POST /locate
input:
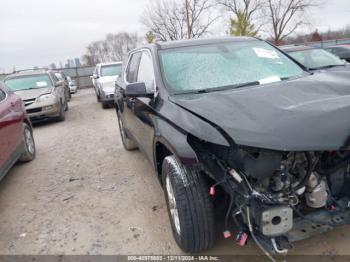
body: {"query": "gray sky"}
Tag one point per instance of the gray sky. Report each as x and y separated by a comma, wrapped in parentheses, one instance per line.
(39, 32)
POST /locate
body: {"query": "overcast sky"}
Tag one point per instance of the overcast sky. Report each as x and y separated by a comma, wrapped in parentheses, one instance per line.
(40, 32)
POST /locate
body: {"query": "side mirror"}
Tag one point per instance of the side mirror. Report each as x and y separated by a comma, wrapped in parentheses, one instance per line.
(94, 76)
(137, 90)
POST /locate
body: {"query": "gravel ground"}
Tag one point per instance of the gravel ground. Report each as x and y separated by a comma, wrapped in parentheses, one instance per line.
(84, 194)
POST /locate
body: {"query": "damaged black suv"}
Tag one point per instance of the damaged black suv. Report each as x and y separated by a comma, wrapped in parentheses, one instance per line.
(237, 116)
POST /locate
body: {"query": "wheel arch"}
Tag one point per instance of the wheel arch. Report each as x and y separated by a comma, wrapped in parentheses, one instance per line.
(170, 141)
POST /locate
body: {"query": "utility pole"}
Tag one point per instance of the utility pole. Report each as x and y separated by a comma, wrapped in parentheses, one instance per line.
(189, 30)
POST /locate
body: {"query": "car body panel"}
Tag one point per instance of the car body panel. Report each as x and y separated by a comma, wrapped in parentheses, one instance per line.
(12, 116)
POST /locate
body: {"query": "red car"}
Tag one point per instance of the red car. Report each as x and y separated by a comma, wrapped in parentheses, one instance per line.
(16, 134)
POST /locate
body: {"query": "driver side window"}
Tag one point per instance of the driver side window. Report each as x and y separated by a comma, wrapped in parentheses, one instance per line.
(146, 72)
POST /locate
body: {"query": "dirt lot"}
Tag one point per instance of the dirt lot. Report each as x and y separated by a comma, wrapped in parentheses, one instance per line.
(84, 194)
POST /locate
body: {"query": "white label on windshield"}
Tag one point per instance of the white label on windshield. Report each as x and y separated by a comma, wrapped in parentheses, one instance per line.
(269, 80)
(261, 52)
(41, 84)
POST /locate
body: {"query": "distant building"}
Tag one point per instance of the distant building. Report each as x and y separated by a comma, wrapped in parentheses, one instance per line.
(77, 62)
(53, 66)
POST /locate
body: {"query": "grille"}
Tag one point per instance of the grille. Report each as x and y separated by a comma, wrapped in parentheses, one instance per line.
(28, 102)
(34, 110)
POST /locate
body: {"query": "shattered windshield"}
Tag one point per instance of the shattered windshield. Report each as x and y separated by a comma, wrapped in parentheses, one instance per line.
(233, 64)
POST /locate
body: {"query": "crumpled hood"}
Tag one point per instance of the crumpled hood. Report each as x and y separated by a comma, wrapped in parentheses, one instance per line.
(309, 113)
(33, 93)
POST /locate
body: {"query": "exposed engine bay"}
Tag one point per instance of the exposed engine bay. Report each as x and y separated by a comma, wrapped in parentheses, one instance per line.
(280, 197)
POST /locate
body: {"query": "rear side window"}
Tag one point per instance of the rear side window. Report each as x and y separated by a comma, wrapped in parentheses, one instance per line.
(2, 95)
(133, 66)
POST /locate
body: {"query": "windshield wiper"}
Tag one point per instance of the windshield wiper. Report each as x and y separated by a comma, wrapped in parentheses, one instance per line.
(221, 88)
(324, 67)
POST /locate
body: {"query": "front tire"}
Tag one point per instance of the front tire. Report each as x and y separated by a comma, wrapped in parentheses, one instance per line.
(190, 209)
(62, 115)
(128, 143)
(29, 144)
(104, 105)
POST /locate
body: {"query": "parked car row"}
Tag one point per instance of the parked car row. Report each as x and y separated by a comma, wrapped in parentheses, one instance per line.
(25, 97)
(240, 124)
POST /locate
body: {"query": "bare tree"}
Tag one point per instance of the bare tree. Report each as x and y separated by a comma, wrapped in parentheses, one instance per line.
(246, 11)
(173, 20)
(165, 20)
(286, 16)
(199, 19)
(114, 48)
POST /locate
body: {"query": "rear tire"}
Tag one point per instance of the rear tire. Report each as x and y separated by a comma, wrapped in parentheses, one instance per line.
(29, 144)
(190, 208)
(128, 143)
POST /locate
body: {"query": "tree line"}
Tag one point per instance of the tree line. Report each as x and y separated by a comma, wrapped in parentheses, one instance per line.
(166, 20)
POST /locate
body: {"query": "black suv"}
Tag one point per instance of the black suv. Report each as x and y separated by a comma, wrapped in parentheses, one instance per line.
(237, 117)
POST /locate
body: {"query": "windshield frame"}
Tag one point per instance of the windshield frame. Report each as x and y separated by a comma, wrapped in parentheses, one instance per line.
(172, 92)
(30, 88)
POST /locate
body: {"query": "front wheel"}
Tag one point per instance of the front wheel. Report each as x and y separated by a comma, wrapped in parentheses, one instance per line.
(128, 143)
(62, 114)
(190, 208)
(104, 105)
(29, 144)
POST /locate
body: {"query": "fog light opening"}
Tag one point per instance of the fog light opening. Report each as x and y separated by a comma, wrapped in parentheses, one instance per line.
(276, 220)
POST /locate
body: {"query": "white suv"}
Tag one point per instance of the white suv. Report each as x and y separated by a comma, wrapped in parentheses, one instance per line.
(103, 79)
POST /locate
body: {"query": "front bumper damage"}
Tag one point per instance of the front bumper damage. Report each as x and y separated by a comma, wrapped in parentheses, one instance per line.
(279, 197)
